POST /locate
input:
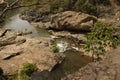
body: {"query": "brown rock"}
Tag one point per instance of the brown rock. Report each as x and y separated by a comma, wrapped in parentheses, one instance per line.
(71, 20)
(34, 50)
(109, 69)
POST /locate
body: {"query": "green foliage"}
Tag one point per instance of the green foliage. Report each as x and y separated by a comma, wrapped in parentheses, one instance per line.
(27, 70)
(28, 2)
(58, 5)
(55, 49)
(54, 5)
(88, 6)
(79, 3)
(101, 36)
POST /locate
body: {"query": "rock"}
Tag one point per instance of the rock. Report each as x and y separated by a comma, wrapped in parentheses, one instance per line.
(37, 14)
(17, 49)
(24, 32)
(77, 37)
(2, 1)
(2, 32)
(9, 54)
(7, 40)
(109, 69)
(70, 20)
(20, 41)
(1, 71)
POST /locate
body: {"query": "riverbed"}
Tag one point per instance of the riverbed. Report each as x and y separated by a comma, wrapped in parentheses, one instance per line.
(73, 60)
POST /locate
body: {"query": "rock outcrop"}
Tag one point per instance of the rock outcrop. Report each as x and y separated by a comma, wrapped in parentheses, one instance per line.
(16, 48)
(109, 69)
(68, 20)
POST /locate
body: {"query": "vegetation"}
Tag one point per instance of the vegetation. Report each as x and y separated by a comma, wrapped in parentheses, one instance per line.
(55, 49)
(13, 76)
(101, 36)
(27, 70)
(88, 6)
(28, 2)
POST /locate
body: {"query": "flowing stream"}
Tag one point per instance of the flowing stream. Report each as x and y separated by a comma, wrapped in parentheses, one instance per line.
(73, 61)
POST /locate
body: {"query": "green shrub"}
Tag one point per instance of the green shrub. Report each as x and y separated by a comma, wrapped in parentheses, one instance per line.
(55, 49)
(54, 5)
(27, 2)
(27, 70)
(91, 9)
(78, 4)
(101, 36)
(86, 6)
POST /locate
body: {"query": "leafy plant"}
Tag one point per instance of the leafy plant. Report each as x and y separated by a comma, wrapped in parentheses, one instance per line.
(27, 70)
(101, 36)
(55, 49)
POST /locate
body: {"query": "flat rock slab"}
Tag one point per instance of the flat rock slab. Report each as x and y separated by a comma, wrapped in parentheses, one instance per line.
(8, 53)
(25, 49)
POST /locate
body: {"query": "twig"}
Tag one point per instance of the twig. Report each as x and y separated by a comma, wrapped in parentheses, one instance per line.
(8, 6)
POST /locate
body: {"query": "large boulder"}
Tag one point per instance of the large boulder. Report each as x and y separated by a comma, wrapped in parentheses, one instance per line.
(69, 20)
